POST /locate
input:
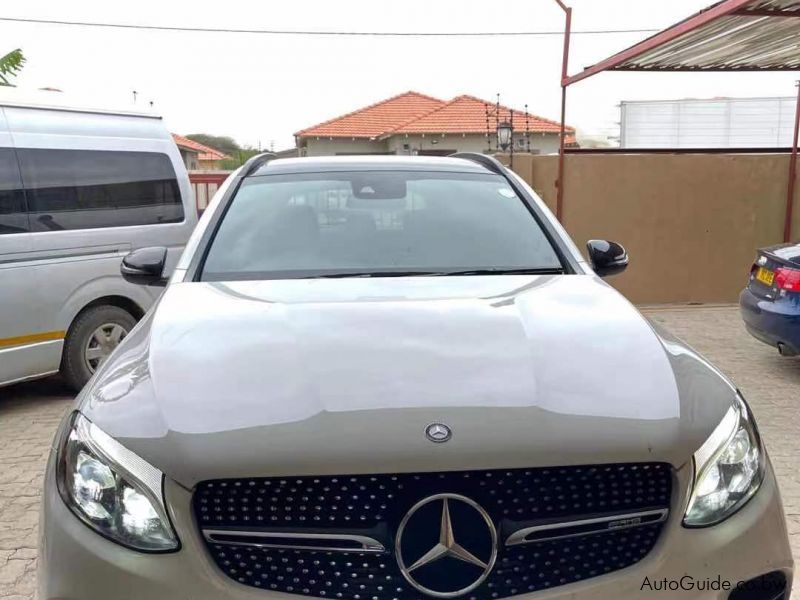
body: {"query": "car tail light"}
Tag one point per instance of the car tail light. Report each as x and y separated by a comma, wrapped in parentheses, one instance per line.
(787, 279)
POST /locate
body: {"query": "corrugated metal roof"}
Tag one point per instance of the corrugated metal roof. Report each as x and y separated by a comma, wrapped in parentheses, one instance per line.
(731, 35)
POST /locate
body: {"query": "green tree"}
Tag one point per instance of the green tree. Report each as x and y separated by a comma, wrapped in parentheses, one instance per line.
(237, 154)
(237, 159)
(223, 143)
(10, 66)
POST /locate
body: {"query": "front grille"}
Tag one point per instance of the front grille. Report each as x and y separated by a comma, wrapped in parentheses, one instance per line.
(374, 505)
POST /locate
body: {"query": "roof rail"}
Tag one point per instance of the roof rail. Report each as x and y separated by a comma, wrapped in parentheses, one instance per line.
(490, 162)
(259, 160)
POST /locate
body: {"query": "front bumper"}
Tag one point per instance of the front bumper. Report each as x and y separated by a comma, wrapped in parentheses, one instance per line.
(772, 322)
(77, 564)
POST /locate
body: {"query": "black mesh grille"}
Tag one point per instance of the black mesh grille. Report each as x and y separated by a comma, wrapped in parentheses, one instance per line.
(379, 502)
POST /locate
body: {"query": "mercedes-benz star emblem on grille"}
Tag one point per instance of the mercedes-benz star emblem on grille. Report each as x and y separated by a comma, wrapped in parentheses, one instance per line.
(446, 545)
(438, 433)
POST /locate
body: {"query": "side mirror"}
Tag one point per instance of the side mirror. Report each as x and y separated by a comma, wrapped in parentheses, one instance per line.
(608, 258)
(145, 266)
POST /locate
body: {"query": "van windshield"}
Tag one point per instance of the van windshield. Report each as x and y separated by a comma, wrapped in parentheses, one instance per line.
(376, 223)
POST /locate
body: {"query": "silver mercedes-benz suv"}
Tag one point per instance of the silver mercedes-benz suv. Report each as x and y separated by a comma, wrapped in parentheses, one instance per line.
(386, 378)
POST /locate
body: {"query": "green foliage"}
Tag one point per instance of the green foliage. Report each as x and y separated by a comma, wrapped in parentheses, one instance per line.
(238, 159)
(227, 145)
(10, 66)
(223, 143)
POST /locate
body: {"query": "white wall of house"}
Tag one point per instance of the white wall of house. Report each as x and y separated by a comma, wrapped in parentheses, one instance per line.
(190, 159)
(334, 146)
(396, 144)
(541, 144)
(456, 143)
(547, 143)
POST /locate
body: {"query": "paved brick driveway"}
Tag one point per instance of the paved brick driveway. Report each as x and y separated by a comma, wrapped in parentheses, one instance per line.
(29, 414)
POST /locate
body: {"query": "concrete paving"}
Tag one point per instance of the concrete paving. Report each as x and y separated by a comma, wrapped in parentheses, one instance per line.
(29, 414)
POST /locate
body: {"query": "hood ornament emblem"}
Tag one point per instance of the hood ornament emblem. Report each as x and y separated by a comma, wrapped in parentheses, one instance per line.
(447, 564)
(438, 433)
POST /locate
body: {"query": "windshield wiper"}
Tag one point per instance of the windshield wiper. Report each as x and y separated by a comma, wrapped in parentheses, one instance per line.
(500, 271)
(376, 274)
(488, 271)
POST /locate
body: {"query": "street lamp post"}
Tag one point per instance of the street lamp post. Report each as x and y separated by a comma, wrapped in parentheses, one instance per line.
(504, 135)
(504, 130)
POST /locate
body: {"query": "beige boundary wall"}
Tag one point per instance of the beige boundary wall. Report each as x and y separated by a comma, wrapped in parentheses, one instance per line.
(691, 222)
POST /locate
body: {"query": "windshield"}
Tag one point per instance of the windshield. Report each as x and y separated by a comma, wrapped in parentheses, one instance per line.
(375, 223)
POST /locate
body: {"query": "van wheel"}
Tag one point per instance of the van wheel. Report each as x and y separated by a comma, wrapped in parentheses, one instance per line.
(94, 334)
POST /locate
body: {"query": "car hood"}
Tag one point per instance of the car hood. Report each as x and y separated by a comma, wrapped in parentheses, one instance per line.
(306, 377)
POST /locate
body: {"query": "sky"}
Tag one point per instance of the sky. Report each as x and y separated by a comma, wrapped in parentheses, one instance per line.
(260, 89)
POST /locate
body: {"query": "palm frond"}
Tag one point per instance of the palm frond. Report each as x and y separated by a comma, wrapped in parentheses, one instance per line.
(10, 65)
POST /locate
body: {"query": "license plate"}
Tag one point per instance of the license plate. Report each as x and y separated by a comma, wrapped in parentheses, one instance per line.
(765, 276)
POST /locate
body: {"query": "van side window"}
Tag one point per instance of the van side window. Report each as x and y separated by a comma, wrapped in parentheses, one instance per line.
(88, 189)
(13, 218)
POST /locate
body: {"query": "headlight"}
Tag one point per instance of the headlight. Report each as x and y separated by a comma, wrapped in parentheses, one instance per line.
(728, 469)
(112, 490)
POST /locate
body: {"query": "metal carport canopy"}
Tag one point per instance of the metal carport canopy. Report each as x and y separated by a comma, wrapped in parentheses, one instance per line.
(730, 36)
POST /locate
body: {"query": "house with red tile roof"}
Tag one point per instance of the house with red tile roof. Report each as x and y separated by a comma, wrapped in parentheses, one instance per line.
(197, 156)
(413, 123)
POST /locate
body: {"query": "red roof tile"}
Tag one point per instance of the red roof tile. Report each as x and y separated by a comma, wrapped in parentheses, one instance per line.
(412, 112)
(467, 114)
(376, 119)
(203, 152)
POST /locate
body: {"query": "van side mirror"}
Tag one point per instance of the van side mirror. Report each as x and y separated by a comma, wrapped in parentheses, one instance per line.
(145, 266)
(607, 258)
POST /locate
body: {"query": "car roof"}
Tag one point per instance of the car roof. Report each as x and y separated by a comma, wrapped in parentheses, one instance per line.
(324, 164)
(59, 101)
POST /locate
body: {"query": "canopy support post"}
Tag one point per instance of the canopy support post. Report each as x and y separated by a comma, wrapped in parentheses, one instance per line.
(561, 158)
(564, 83)
(787, 226)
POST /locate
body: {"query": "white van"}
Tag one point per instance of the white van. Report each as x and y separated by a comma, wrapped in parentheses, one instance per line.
(79, 189)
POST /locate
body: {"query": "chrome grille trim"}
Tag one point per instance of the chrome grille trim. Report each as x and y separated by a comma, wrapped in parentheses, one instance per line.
(325, 542)
(373, 505)
(603, 524)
